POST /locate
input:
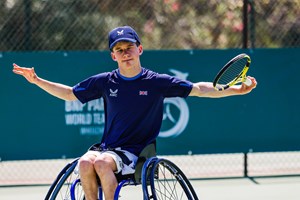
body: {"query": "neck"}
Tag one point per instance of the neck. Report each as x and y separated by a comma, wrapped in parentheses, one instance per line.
(129, 73)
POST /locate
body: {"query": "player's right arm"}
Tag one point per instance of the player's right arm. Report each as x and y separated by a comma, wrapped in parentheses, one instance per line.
(56, 89)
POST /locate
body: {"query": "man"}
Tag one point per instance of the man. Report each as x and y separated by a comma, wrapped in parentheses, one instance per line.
(133, 98)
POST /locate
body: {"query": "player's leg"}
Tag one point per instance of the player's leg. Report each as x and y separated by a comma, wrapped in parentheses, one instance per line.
(111, 163)
(105, 167)
(88, 175)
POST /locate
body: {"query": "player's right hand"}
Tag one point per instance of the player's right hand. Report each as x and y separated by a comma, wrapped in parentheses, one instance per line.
(28, 73)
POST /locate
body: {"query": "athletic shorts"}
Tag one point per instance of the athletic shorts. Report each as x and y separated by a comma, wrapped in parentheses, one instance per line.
(125, 161)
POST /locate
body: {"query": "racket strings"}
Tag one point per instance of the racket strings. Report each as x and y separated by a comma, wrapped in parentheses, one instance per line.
(233, 72)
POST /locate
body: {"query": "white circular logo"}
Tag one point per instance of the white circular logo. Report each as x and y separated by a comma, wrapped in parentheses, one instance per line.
(178, 123)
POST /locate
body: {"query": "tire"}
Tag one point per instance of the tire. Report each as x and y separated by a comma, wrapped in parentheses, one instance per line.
(169, 182)
(146, 176)
(60, 189)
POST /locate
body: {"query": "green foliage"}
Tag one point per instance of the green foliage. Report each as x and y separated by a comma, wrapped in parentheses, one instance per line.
(161, 24)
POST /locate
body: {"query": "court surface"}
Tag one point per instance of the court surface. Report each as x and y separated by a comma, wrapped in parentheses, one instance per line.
(283, 188)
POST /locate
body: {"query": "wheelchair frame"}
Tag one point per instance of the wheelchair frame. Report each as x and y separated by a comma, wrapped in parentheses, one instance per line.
(160, 179)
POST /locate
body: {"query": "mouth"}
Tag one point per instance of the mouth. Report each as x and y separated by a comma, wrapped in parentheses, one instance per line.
(127, 60)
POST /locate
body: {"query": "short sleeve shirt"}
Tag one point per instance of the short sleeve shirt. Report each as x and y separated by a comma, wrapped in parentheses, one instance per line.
(133, 106)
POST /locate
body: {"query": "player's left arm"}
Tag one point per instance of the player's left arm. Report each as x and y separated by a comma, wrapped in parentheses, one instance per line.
(206, 89)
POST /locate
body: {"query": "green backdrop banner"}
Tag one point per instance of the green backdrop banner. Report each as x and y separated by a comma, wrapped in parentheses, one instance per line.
(35, 125)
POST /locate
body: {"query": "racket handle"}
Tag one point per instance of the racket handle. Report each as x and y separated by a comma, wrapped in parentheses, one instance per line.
(248, 82)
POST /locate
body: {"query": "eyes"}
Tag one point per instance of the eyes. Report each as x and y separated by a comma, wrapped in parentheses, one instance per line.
(121, 50)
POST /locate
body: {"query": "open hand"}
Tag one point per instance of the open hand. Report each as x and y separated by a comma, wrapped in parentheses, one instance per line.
(28, 73)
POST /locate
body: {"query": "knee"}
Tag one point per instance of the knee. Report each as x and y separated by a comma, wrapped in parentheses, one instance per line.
(85, 164)
(102, 165)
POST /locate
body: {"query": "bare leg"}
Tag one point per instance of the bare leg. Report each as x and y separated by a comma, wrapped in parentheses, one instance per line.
(88, 176)
(105, 167)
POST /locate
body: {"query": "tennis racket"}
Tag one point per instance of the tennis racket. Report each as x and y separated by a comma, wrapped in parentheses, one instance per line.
(233, 72)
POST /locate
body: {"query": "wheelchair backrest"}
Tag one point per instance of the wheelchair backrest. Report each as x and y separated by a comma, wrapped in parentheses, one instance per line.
(148, 152)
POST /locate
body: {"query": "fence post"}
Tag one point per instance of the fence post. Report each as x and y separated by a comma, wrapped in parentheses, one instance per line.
(27, 37)
(252, 23)
(245, 164)
(245, 24)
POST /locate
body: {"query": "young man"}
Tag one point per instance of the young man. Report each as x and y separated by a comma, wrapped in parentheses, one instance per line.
(133, 99)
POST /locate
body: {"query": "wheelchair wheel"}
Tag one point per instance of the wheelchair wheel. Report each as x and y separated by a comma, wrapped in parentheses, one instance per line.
(60, 189)
(146, 176)
(169, 182)
(67, 186)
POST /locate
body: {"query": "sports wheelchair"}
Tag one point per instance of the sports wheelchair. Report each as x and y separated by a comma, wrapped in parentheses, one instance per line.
(158, 177)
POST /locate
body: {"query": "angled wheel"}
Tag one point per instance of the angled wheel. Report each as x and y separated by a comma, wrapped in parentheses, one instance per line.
(146, 176)
(169, 182)
(60, 189)
(67, 186)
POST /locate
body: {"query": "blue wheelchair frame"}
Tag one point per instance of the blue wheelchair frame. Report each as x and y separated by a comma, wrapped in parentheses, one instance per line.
(148, 177)
(122, 183)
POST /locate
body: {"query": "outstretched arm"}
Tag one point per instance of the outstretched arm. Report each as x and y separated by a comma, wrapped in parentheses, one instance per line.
(206, 89)
(56, 89)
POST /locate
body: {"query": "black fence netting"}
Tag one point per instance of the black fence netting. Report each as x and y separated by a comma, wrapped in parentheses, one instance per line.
(162, 24)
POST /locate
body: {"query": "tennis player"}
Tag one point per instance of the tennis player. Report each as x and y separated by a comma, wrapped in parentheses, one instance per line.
(133, 98)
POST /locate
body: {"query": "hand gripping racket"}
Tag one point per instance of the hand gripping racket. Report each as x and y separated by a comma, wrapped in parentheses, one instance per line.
(233, 72)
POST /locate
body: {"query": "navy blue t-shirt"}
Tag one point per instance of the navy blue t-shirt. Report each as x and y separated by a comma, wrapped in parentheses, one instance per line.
(133, 106)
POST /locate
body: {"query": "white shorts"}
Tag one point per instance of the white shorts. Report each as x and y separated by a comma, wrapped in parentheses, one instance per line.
(125, 168)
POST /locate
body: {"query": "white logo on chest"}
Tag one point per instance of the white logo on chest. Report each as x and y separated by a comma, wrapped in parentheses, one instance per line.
(113, 93)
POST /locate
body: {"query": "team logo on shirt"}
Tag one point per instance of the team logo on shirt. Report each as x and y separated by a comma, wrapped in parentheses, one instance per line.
(113, 93)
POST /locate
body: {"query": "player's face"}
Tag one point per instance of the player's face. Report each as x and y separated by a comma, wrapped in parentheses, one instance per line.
(127, 55)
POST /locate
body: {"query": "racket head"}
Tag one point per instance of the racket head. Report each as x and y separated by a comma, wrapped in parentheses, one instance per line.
(233, 72)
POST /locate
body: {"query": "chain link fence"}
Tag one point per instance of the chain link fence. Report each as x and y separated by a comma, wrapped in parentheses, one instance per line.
(275, 24)
(35, 25)
(208, 166)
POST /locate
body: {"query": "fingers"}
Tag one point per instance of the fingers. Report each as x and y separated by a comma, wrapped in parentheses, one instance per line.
(27, 73)
(17, 69)
(22, 70)
(252, 85)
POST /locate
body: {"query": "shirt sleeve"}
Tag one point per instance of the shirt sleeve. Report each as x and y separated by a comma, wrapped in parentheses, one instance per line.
(90, 89)
(175, 87)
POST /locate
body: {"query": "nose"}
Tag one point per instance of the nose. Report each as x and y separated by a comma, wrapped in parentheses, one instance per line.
(126, 53)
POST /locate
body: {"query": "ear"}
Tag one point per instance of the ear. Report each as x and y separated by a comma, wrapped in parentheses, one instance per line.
(140, 49)
(113, 56)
